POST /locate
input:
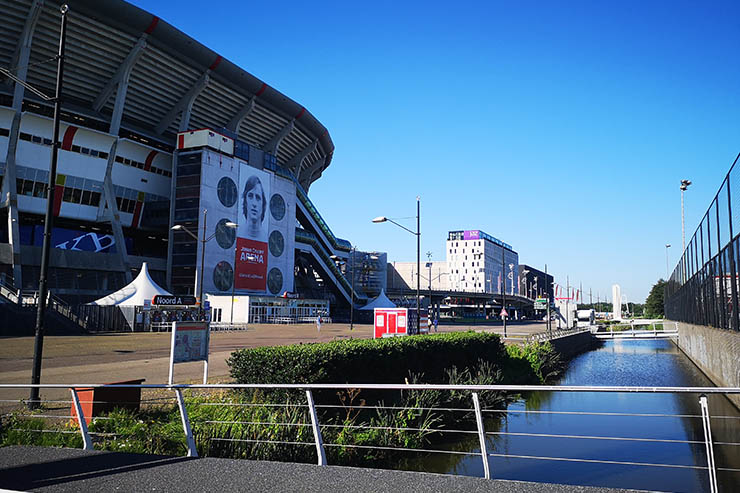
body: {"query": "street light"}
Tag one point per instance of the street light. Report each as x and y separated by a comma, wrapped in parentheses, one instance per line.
(417, 233)
(180, 227)
(684, 185)
(667, 246)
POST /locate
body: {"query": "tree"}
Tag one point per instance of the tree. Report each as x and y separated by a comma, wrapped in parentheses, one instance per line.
(654, 303)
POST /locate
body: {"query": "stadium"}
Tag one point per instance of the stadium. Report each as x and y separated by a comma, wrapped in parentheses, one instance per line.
(160, 132)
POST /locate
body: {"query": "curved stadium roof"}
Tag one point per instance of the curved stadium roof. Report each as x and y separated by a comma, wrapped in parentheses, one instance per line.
(169, 67)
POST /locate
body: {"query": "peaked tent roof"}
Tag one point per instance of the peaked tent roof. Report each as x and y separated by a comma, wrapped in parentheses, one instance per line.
(381, 301)
(140, 289)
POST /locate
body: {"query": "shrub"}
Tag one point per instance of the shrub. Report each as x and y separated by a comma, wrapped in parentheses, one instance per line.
(367, 360)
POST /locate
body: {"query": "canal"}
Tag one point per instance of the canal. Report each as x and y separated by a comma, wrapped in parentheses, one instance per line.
(672, 418)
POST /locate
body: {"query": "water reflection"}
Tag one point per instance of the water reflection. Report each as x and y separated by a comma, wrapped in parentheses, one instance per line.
(620, 362)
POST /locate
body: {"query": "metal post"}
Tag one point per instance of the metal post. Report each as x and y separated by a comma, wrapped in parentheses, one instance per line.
(192, 451)
(202, 266)
(503, 289)
(352, 295)
(481, 436)
(87, 442)
(683, 228)
(735, 324)
(708, 443)
(547, 289)
(418, 264)
(49, 218)
(316, 430)
(233, 281)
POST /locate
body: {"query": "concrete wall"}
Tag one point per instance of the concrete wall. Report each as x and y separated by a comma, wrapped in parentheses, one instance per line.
(716, 352)
(572, 345)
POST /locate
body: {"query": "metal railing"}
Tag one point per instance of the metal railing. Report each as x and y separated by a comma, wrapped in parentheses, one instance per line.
(321, 427)
(54, 303)
(555, 334)
(703, 288)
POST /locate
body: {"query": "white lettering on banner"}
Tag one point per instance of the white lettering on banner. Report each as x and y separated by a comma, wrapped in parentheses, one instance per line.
(101, 242)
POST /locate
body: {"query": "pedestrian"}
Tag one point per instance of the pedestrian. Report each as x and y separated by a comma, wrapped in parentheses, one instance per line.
(436, 324)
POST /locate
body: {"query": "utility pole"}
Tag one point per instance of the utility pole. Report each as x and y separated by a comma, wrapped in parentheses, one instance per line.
(48, 219)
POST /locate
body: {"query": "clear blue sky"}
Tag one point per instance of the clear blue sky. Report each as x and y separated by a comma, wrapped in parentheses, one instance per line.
(562, 128)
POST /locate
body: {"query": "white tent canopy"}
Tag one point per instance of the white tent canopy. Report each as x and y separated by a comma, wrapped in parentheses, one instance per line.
(381, 301)
(142, 288)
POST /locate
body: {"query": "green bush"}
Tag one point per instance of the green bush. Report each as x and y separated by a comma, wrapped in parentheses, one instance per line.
(387, 360)
(540, 359)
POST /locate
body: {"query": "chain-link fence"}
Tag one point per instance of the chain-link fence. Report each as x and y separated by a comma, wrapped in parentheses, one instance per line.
(703, 288)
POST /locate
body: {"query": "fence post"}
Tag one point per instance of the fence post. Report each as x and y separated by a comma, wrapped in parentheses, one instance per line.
(316, 430)
(192, 451)
(708, 443)
(481, 436)
(87, 442)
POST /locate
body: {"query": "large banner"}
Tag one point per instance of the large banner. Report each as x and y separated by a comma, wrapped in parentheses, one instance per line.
(251, 242)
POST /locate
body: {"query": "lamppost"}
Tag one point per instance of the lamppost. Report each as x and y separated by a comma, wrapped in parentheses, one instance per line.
(382, 219)
(684, 185)
(180, 227)
(667, 246)
(49, 218)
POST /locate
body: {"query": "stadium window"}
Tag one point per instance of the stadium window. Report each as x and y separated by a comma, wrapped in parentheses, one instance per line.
(93, 153)
(4, 132)
(86, 194)
(39, 189)
(83, 150)
(119, 159)
(95, 198)
(76, 148)
(36, 139)
(25, 136)
(102, 155)
(27, 187)
(67, 197)
(47, 142)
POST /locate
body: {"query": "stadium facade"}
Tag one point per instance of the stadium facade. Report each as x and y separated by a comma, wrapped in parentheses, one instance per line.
(156, 128)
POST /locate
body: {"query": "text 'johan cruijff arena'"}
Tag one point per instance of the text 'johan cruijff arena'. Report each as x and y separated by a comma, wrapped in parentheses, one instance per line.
(156, 129)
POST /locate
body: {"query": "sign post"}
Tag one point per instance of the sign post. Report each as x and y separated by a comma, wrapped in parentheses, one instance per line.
(190, 341)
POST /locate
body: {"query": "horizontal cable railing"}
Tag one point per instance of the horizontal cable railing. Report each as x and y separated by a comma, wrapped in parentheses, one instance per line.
(236, 417)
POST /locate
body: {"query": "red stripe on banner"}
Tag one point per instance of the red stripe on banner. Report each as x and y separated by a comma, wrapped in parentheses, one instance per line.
(180, 141)
(262, 89)
(137, 213)
(300, 113)
(149, 159)
(215, 63)
(58, 194)
(152, 25)
(69, 136)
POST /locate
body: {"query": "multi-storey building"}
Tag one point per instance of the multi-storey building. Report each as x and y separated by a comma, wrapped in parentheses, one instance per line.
(478, 262)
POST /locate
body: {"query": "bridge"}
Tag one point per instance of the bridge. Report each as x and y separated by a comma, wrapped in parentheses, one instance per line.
(645, 333)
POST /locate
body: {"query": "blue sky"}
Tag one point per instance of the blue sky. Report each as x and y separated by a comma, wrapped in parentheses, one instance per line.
(562, 128)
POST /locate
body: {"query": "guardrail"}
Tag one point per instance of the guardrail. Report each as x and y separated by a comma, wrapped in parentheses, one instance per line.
(315, 417)
(555, 334)
(30, 298)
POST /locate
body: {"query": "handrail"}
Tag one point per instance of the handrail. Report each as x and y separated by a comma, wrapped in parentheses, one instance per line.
(337, 243)
(301, 235)
(319, 441)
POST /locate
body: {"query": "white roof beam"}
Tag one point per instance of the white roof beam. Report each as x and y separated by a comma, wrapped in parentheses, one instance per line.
(273, 145)
(311, 170)
(23, 52)
(240, 116)
(295, 163)
(122, 74)
(184, 106)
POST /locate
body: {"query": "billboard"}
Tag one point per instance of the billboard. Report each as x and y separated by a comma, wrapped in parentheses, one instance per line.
(471, 235)
(252, 234)
(258, 255)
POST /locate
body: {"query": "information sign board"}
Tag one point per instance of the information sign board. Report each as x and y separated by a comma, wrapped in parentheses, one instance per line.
(190, 341)
(170, 300)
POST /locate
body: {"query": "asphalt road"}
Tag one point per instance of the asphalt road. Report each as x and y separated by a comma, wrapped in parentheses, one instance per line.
(71, 470)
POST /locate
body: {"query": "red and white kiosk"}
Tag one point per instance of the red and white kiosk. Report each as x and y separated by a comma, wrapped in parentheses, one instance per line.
(393, 322)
